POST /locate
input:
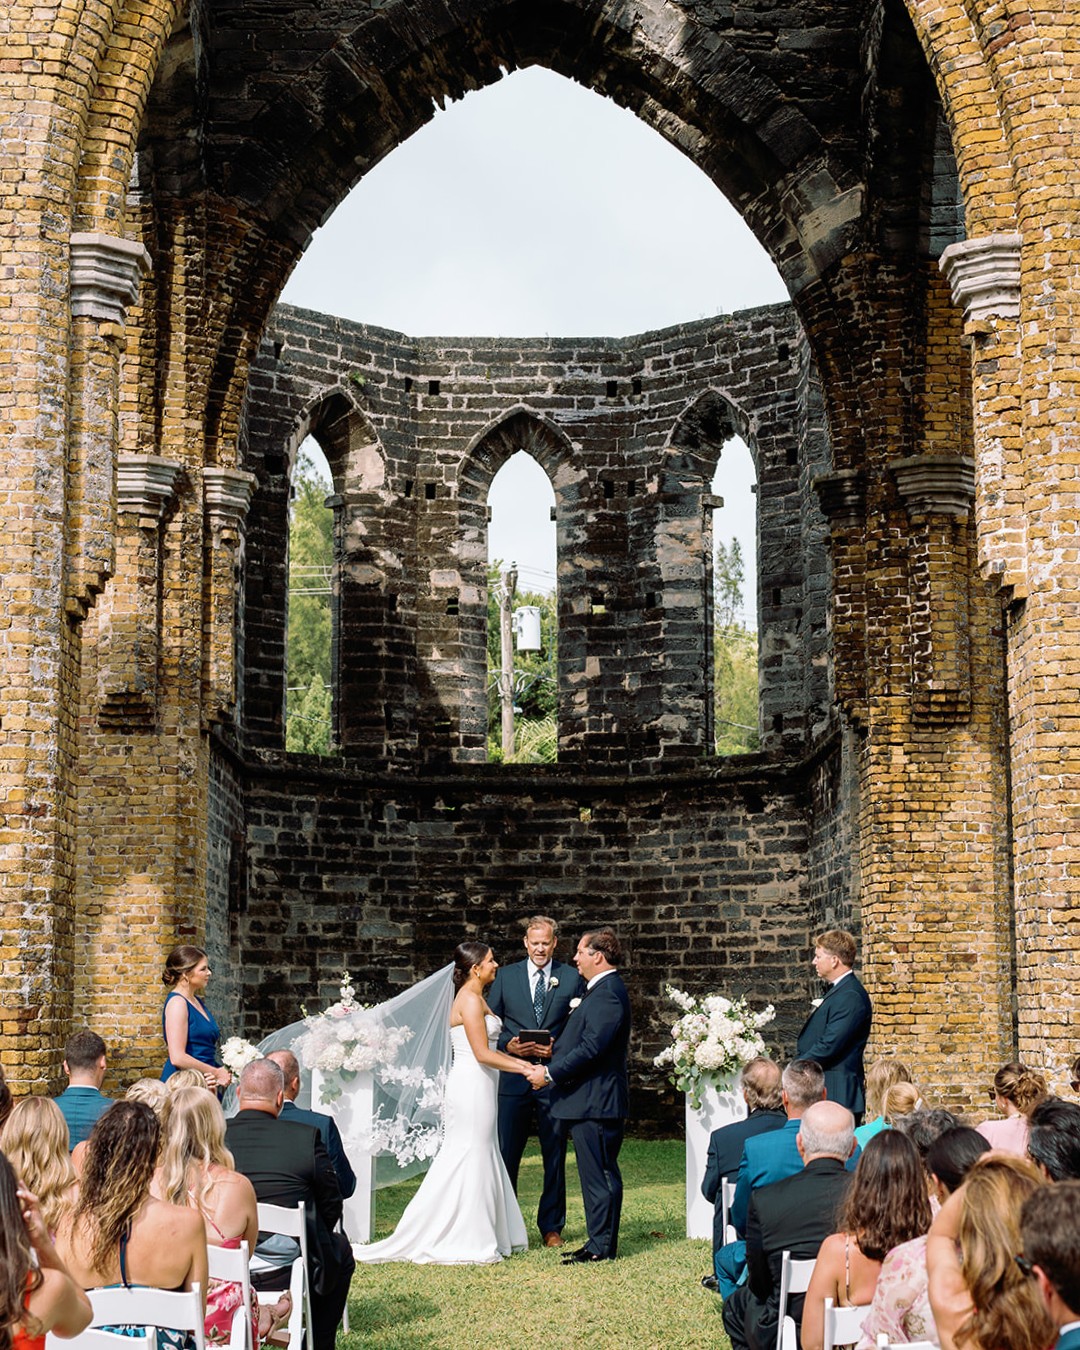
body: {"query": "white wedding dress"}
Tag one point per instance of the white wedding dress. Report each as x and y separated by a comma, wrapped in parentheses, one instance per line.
(465, 1212)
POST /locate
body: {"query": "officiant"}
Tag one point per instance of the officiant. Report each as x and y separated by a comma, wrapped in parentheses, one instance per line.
(533, 997)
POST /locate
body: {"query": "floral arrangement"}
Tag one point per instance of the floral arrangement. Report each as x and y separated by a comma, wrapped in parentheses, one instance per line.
(237, 1054)
(341, 1042)
(713, 1039)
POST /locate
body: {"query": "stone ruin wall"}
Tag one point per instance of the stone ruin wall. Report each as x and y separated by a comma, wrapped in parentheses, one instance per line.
(384, 856)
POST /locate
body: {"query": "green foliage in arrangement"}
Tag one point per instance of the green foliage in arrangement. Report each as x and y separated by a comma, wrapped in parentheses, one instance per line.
(735, 658)
(649, 1298)
(536, 694)
(311, 561)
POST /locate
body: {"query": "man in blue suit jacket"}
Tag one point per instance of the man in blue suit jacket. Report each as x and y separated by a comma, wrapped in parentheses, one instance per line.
(83, 1101)
(591, 1091)
(836, 1032)
(326, 1125)
(1050, 1236)
(530, 994)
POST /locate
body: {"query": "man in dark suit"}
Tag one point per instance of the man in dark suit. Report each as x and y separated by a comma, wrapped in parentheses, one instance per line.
(761, 1090)
(326, 1125)
(1050, 1236)
(796, 1215)
(286, 1162)
(83, 1101)
(836, 1032)
(590, 1089)
(530, 994)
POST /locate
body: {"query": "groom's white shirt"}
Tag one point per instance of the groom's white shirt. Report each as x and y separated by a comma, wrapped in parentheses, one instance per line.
(597, 978)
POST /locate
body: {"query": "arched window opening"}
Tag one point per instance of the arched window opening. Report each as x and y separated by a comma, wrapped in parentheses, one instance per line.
(736, 717)
(309, 616)
(522, 640)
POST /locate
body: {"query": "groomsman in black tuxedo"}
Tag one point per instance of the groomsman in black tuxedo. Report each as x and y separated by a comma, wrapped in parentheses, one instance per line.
(530, 995)
(836, 1032)
(590, 1090)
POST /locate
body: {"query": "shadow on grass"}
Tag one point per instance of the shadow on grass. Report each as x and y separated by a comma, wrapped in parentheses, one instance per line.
(392, 1313)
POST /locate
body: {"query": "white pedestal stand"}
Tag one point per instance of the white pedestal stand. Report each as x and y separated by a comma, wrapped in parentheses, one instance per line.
(352, 1112)
(719, 1106)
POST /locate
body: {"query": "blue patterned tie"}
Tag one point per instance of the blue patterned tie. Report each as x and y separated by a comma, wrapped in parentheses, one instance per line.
(538, 997)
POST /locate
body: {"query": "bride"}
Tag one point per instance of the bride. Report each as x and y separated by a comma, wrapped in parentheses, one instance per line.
(465, 1212)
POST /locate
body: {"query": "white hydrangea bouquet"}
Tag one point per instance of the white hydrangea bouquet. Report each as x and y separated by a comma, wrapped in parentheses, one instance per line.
(237, 1054)
(341, 1042)
(711, 1041)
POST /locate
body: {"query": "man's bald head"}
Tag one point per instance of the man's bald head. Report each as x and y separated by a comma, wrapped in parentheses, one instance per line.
(290, 1068)
(827, 1131)
(261, 1087)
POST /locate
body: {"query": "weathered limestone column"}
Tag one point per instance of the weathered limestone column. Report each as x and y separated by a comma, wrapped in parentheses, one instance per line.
(1027, 403)
(227, 496)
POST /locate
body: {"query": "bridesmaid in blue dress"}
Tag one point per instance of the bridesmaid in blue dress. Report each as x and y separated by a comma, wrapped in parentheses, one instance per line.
(191, 1033)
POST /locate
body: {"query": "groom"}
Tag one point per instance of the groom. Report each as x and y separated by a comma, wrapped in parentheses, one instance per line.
(527, 995)
(590, 1092)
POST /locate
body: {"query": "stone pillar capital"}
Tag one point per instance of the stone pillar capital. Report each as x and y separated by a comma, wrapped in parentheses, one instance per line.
(984, 274)
(935, 485)
(105, 274)
(842, 496)
(227, 494)
(145, 484)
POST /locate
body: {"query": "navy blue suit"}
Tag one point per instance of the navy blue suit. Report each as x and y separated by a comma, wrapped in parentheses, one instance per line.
(331, 1137)
(522, 1111)
(835, 1035)
(591, 1094)
(725, 1156)
(82, 1106)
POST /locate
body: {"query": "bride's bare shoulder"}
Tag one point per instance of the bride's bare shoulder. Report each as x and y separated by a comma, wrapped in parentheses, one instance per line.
(465, 1002)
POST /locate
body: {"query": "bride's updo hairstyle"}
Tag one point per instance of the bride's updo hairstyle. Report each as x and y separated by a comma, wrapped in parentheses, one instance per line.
(467, 955)
(179, 963)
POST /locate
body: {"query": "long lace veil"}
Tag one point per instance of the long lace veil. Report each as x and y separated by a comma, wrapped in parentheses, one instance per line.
(405, 1043)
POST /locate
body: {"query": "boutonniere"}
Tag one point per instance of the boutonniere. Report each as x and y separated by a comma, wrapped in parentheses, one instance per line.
(574, 1002)
(553, 983)
(816, 1002)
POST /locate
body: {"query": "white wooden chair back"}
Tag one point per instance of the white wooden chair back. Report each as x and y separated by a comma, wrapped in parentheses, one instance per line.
(794, 1279)
(232, 1264)
(727, 1199)
(93, 1338)
(885, 1344)
(141, 1306)
(290, 1223)
(843, 1326)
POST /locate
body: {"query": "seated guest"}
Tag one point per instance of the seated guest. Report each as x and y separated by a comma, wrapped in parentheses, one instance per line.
(886, 1205)
(83, 1101)
(37, 1294)
(35, 1140)
(796, 1215)
(924, 1125)
(1054, 1139)
(118, 1233)
(1074, 1074)
(184, 1078)
(151, 1091)
(1017, 1091)
(880, 1076)
(1050, 1232)
(900, 1100)
(287, 1162)
(6, 1100)
(761, 1090)
(326, 1125)
(980, 1298)
(900, 1308)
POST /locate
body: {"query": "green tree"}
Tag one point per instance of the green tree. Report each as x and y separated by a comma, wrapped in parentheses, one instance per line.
(735, 658)
(535, 686)
(311, 561)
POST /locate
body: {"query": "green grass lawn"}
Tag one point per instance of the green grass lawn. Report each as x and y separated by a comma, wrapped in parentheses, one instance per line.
(649, 1297)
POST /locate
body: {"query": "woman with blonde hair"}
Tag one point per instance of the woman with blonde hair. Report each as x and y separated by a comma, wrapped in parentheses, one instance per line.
(36, 1141)
(980, 1297)
(151, 1091)
(899, 1101)
(880, 1076)
(196, 1169)
(1017, 1091)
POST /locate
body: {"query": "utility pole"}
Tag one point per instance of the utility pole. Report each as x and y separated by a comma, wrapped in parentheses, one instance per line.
(506, 650)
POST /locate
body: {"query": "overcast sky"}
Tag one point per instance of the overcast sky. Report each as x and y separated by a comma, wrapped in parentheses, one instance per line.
(535, 207)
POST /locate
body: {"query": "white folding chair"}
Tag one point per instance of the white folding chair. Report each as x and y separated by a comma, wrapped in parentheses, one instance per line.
(843, 1326)
(231, 1264)
(93, 1338)
(727, 1199)
(794, 1279)
(289, 1223)
(151, 1308)
(885, 1344)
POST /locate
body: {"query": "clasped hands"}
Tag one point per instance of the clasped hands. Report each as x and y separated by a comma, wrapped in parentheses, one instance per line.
(531, 1051)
